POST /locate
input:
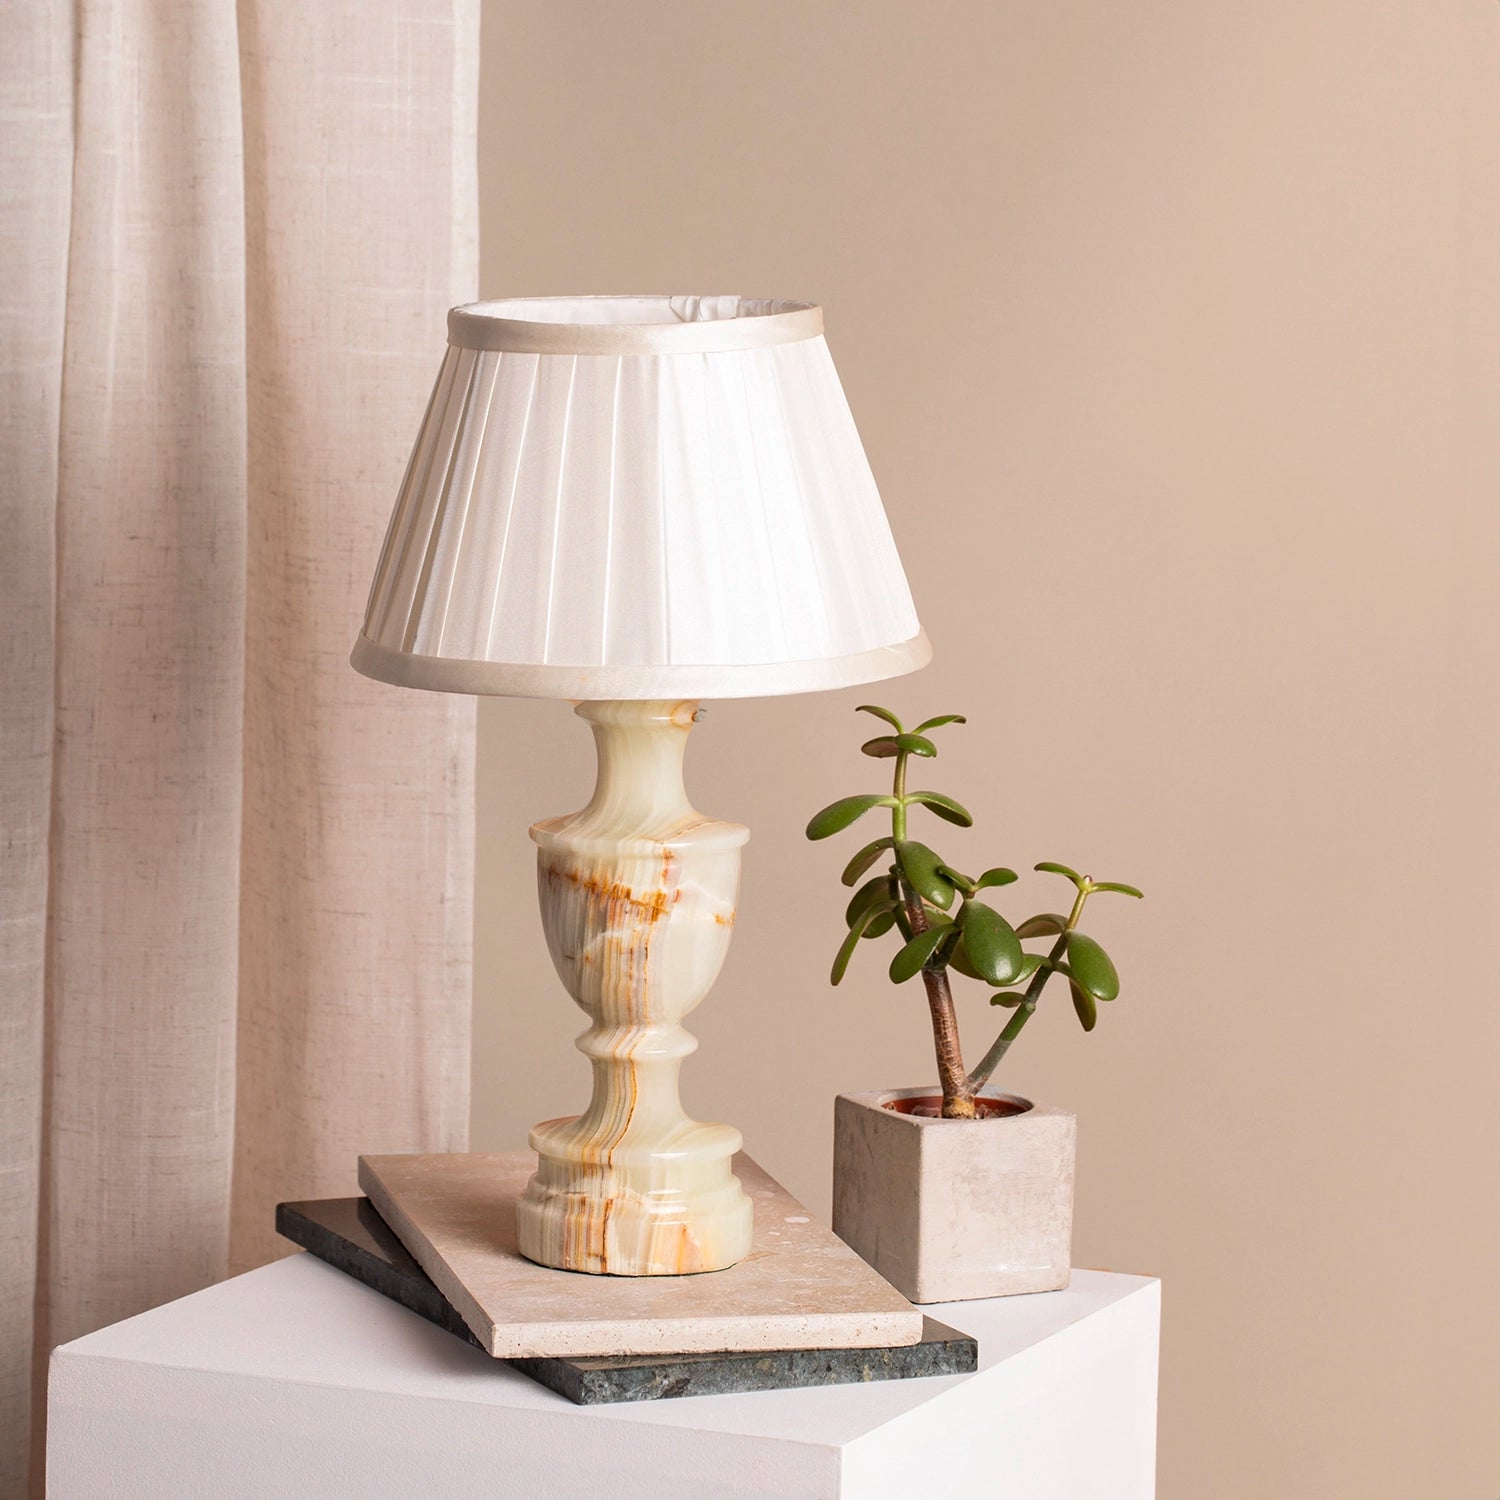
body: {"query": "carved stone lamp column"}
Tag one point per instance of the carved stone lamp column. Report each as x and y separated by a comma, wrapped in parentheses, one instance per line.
(634, 503)
(638, 894)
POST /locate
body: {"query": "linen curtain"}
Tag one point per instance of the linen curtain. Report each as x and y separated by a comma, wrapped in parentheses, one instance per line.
(235, 894)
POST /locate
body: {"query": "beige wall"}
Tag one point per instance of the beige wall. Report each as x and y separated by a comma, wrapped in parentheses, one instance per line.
(1172, 332)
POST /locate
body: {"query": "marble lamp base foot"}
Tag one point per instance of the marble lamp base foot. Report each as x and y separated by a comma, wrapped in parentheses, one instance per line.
(645, 1212)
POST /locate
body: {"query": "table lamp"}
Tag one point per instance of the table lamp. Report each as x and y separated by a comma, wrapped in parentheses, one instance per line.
(635, 503)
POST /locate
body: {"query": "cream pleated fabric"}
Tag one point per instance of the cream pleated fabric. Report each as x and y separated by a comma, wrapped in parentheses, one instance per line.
(228, 232)
(637, 497)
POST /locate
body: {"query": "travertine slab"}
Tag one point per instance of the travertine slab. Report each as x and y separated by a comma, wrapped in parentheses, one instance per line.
(800, 1287)
(349, 1234)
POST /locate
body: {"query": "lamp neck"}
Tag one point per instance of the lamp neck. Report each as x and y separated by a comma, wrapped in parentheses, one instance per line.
(640, 746)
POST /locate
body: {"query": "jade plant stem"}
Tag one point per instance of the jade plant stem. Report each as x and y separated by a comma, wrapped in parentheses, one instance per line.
(958, 1091)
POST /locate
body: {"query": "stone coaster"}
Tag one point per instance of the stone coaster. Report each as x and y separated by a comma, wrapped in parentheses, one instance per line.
(800, 1287)
(349, 1234)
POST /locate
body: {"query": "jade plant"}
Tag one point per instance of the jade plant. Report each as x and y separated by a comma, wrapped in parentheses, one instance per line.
(944, 925)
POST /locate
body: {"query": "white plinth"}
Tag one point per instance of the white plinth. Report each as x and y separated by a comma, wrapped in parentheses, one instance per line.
(297, 1381)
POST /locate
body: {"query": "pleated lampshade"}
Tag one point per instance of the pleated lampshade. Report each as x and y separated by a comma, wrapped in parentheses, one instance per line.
(638, 497)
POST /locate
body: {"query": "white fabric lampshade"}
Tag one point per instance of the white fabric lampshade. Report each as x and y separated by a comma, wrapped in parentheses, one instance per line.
(638, 497)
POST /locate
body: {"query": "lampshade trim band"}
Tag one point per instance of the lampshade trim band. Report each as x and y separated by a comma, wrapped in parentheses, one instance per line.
(476, 326)
(730, 680)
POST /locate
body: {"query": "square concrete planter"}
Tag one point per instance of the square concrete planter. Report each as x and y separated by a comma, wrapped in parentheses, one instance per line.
(948, 1210)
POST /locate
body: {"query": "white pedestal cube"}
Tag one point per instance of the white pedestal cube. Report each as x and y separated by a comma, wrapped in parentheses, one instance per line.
(297, 1381)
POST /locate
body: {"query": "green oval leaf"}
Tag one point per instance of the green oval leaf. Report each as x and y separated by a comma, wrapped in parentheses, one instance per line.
(944, 807)
(1091, 967)
(881, 923)
(959, 959)
(880, 713)
(864, 859)
(1083, 1004)
(911, 958)
(872, 893)
(998, 876)
(920, 866)
(1010, 1001)
(915, 744)
(1056, 869)
(1030, 963)
(991, 944)
(958, 878)
(882, 747)
(938, 722)
(847, 947)
(837, 816)
(1044, 924)
(1124, 890)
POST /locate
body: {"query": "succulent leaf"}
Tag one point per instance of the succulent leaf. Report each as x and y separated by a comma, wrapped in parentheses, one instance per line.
(1083, 1004)
(864, 859)
(915, 744)
(1121, 887)
(959, 959)
(915, 954)
(944, 807)
(1044, 924)
(847, 947)
(880, 713)
(1091, 967)
(837, 816)
(958, 878)
(938, 722)
(920, 866)
(1030, 963)
(991, 944)
(877, 892)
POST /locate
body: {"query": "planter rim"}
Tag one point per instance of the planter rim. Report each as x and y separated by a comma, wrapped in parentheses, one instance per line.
(879, 1098)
